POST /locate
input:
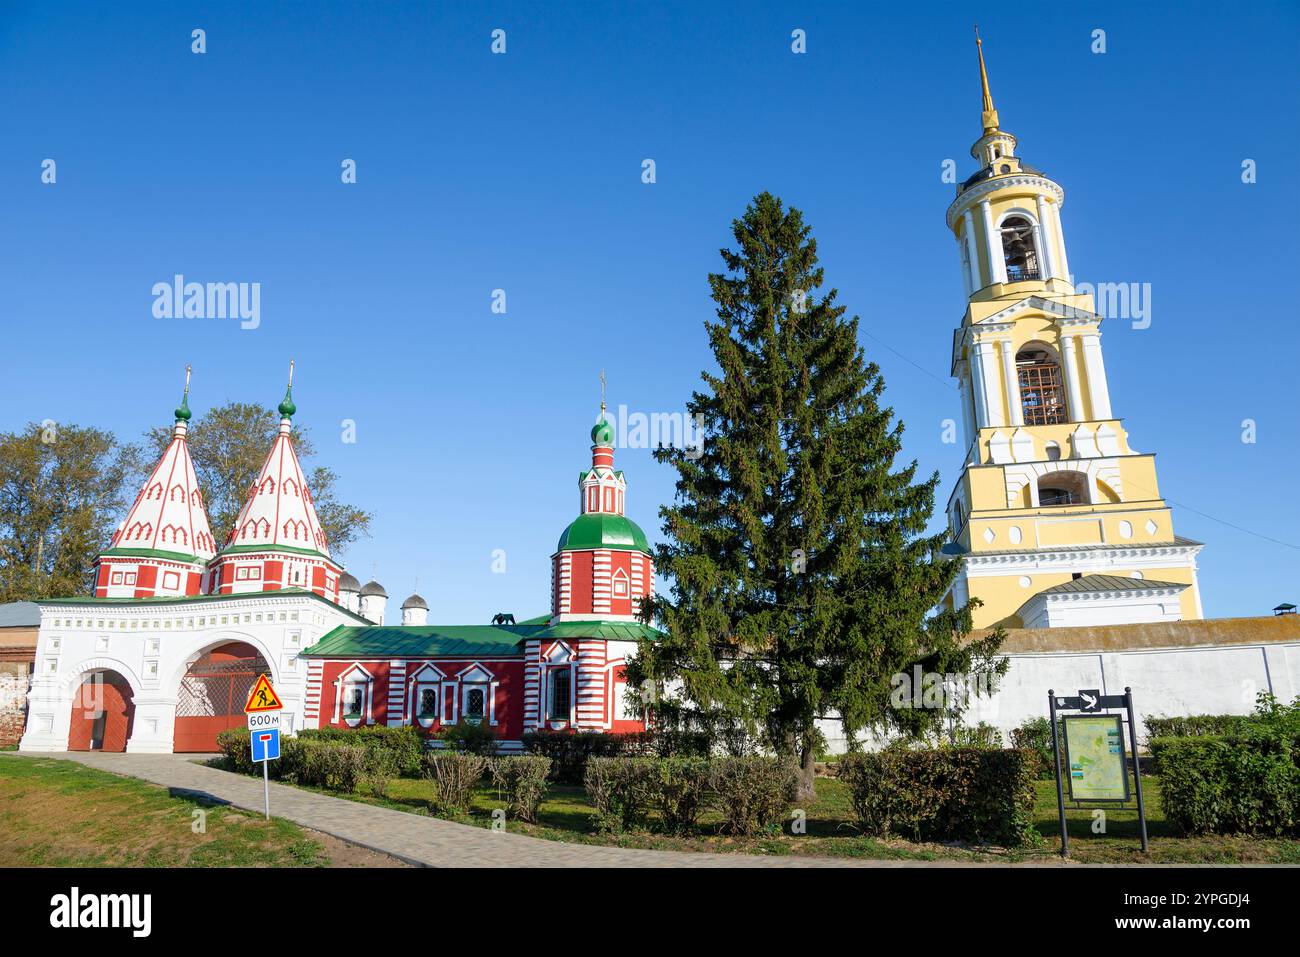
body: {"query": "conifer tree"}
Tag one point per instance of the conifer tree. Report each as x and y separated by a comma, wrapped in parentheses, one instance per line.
(802, 580)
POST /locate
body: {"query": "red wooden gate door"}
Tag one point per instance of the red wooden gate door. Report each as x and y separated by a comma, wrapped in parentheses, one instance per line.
(213, 694)
(103, 712)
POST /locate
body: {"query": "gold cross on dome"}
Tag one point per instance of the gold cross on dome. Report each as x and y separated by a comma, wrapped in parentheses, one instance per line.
(602, 390)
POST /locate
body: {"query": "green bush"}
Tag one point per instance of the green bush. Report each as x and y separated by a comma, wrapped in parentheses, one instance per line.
(404, 743)
(1268, 712)
(469, 737)
(620, 790)
(335, 767)
(234, 744)
(1196, 725)
(454, 776)
(754, 793)
(1246, 783)
(680, 791)
(569, 752)
(522, 778)
(982, 735)
(1036, 735)
(945, 794)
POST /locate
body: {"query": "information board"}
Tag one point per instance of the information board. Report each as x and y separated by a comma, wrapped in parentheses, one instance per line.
(1094, 752)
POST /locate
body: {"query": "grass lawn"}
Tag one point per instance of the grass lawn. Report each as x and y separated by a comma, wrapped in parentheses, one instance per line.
(62, 814)
(565, 816)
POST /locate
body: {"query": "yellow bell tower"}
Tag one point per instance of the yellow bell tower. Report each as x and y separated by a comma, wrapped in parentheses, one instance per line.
(1056, 519)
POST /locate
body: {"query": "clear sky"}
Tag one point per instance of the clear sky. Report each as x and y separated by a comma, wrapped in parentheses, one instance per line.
(522, 172)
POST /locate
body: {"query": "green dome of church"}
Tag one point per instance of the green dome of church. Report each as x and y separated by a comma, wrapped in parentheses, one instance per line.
(602, 433)
(603, 530)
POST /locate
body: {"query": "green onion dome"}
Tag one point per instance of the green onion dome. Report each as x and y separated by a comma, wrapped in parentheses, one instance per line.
(602, 433)
(603, 530)
(287, 408)
(183, 412)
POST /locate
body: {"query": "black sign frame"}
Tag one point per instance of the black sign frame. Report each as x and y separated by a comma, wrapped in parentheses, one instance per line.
(1105, 703)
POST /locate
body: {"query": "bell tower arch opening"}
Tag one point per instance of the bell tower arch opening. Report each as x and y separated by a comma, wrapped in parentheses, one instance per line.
(1042, 388)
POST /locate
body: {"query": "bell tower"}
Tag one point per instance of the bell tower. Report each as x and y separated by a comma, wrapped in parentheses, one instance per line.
(1056, 518)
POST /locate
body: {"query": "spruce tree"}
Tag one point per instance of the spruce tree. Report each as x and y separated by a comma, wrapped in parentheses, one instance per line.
(802, 580)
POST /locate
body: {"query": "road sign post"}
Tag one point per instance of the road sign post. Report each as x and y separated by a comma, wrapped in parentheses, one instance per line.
(263, 713)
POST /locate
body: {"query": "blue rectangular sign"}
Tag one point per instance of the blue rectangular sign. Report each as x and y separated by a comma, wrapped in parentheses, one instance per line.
(265, 744)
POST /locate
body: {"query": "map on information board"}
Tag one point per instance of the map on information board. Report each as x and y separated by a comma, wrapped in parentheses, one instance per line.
(1094, 752)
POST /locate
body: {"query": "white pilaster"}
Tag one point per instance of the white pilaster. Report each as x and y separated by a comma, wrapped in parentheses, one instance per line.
(1046, 238)
(972, 253)
(1072, 379)
(977, 386)
(967, 412)
(989, 375)
(997, 264)
(1011, 383)
(1064, 262)
(1098, 392)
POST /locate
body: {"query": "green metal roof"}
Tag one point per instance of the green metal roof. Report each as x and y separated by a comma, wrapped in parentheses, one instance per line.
(291, 549)
(462, 641)
(153, 553)
(603, 530)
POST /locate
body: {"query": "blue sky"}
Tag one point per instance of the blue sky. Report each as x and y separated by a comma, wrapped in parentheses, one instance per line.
(522, 172)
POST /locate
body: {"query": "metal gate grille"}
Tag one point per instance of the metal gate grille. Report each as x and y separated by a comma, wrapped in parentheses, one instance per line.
(218, 688)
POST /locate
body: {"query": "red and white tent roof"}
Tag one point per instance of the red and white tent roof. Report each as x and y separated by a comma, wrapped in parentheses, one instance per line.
(168, 514)
(279, 512)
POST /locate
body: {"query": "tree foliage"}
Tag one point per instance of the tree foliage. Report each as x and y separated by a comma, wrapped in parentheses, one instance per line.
(61, 491)
(802, 577)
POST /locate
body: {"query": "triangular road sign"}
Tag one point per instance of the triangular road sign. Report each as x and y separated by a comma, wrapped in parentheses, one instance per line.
(263, 697)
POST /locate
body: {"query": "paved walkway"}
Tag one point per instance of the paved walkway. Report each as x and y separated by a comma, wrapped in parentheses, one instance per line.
(414, 838)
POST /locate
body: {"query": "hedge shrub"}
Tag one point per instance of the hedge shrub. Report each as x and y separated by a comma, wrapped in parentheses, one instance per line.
(522, 779)
(454, 776)
(1247, 783)
(680, 792)
(404, 743)
(945, 794)
(1036, 735)
(753, 793)
(234, 744)
(569, 752)
(469, 737)
(325, 762)
(620, 790)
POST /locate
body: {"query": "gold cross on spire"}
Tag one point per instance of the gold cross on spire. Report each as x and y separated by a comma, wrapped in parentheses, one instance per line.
(602, 390)
(291, 373)
(187, 379)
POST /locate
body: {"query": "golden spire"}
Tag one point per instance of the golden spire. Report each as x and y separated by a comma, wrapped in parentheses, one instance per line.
(602, 390)
(990, 116)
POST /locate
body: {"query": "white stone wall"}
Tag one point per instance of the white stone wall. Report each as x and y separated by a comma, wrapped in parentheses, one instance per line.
(1209, 679)
(152, 644)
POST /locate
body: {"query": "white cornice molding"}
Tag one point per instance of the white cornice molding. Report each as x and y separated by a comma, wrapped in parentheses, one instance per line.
(971, 196)
(1046, 560)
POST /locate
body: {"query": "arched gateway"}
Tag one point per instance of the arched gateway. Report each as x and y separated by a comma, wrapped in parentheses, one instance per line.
(103, 713)
(213, 693)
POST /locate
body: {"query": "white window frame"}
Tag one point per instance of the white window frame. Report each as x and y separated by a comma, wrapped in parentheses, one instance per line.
(354, 677)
